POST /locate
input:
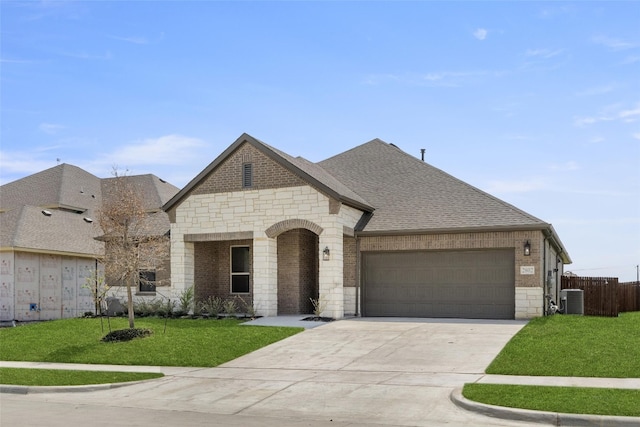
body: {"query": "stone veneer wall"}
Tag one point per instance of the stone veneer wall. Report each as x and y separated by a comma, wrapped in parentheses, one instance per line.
(529, 302)
(255, 211)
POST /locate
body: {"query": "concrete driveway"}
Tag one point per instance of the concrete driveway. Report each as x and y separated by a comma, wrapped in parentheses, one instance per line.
(397, 372)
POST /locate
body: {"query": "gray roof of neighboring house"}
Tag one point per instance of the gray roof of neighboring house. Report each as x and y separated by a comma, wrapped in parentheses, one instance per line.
(26, 227)
(155, 191)
(70, 194)
(63, 186)
(410, 195)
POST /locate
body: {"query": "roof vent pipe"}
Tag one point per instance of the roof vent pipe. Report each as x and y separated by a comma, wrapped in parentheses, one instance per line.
(422, 150)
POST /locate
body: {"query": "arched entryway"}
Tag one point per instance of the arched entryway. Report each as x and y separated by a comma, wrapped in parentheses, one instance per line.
(297, 249)
(297, 271)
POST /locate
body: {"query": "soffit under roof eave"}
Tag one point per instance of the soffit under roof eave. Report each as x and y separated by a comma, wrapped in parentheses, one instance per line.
(50, 252)
(551, 234)
(532, 227)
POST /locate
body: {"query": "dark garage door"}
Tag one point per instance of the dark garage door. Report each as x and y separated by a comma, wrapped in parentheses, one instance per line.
(467, 284)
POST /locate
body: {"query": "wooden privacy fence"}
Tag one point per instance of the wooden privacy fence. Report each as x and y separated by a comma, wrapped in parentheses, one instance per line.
(629, 296)
(604, 296)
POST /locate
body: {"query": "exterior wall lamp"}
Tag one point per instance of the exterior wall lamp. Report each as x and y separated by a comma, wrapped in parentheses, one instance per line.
(326, 254)
(527, 248)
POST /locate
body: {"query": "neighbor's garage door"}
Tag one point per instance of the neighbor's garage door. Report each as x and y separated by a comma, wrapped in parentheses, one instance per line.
(466, 284)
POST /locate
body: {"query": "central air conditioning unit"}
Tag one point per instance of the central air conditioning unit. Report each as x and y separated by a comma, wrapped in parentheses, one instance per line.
(573, 301)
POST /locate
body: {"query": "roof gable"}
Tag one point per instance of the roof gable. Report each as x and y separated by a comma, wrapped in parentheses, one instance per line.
(300, 171)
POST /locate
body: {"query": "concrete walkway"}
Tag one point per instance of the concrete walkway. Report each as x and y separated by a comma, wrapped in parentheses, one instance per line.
(396, 372)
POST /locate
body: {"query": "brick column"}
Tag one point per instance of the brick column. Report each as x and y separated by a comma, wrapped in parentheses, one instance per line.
(265, 276)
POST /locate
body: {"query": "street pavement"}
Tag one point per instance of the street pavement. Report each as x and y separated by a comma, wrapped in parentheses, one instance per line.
(357, 372)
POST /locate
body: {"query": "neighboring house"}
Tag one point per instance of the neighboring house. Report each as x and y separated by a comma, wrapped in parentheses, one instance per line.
(49, 250)
(372, 231)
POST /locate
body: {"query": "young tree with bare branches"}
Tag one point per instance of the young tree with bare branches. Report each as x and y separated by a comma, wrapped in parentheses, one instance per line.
(133, 242)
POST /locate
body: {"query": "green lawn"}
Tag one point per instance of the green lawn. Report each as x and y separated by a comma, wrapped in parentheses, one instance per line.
(60, 377)
(596, 401)
(580, 346)
(186, 342)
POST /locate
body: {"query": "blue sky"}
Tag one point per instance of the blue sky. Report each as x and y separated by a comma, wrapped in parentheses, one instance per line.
(537, 103)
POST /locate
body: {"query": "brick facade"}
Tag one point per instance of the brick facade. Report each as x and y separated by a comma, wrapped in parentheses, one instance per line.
(297, 271)
(266, 173)
(212, 277)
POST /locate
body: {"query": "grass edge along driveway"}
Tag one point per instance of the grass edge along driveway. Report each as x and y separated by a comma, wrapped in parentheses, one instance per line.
(581, 346)
(67, 377)
(183, 342)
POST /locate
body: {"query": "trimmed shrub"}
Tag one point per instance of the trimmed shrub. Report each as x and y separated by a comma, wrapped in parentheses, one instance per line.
(126, 334)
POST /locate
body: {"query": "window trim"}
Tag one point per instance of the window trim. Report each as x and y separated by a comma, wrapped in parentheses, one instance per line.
(247, 175)
(150, 283)
(243, 273)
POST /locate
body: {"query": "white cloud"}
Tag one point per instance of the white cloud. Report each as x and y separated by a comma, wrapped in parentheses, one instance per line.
(165, 150)
(543, 53)
(480, 34)
(132, 39)
(631, 59)
(432, 79)
(50, 128)
(613, 43)
(636, 135)
(629, 115)
(613, 113)
(18, 165)
(84, 55)
(597, 90)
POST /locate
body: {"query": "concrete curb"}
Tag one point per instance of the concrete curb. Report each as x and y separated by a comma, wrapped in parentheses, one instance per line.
(542, 417)
(29, 389)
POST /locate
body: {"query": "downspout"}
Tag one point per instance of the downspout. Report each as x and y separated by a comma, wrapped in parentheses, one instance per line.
(357, 313)
(544, 276)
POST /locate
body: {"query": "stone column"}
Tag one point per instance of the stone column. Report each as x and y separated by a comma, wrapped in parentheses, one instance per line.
(265, 276)
(182, 264)
(331, 272)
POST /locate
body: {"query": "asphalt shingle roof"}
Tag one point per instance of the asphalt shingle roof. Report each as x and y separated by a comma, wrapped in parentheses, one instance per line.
(70, 194)
(62, 186)
(411, 195)
(26, 227)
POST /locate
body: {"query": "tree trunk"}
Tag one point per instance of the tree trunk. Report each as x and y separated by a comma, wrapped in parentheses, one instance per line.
(130, 302)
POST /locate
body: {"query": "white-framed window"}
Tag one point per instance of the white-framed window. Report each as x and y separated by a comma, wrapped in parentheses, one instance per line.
(240, 274)
(147, 280)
